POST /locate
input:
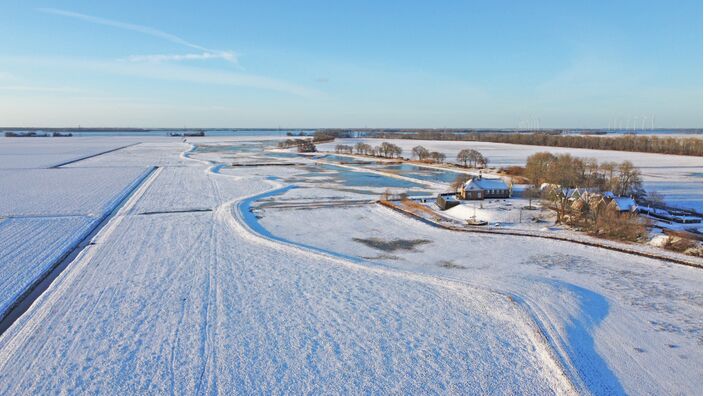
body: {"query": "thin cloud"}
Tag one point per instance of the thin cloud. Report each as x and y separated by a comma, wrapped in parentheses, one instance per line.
(170, 72)
(33, 88)
(156, 58)
(210, 53)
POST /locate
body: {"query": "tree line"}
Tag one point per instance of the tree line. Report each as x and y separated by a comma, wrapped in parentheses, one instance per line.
(691, 146)
(302, 145)
(384, 150)
(389, 150)
(423, 154)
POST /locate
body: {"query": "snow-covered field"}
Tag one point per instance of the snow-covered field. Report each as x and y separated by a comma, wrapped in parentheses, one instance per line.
(48, 212)
(63, 191)
(46, 152)
(179, 293)
(30, 246)
(194, 303)
(626, 323)
(678, 178)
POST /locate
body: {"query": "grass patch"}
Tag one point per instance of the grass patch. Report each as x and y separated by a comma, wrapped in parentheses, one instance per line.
(391, 245)
(450, 265)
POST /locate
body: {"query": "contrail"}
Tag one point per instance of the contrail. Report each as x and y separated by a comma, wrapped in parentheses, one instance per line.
(126, 26)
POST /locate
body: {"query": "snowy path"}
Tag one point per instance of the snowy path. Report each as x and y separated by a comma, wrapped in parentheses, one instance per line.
(193, 303)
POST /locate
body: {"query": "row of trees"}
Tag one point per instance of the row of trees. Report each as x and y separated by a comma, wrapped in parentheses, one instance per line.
(467, 156)
(473, 158)
(385, 150)
(343, 149)
(321, 136)
(303, 145)
(363, 149)
(423, 154)
(636, 143)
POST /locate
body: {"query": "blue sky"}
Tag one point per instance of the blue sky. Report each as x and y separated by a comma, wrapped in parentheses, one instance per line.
(351, 64)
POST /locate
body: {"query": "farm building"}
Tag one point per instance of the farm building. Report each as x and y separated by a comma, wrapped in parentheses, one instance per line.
(447, 201)
(591, 200)
(481, 188)
(621, 204)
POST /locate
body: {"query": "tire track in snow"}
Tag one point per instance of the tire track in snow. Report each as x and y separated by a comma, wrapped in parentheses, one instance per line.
(211, 290)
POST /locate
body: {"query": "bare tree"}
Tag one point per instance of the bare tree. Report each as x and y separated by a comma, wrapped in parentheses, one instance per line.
(464, 156)
(420, 152)
(565, 173)
(481, 160)
(629, 180)
(437, 157)
(538, 167)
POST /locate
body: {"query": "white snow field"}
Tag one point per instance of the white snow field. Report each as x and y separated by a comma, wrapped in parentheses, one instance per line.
(63, 191)
(40, 152)
(194, 303)
(678, 178)
(49, 211)
(30, 246)
(625, 322)
(185, 291)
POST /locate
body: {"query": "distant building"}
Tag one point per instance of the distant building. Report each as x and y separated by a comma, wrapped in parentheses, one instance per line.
(621, 204)
(584, 200)
(482, 188)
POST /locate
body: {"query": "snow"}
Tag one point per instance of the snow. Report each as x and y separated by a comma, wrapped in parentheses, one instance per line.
(180, 292)
(46, 152)
(625, 203)
(659, 240)
(48, 212)
(624, 322)
(678, 178)
(506, 212)
(486, 184)
(29, 247)
(157, 153)
(193, 303)
(185, 189)
(63, 191)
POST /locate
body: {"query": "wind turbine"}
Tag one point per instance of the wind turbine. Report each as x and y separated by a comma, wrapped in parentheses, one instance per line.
(652, 122)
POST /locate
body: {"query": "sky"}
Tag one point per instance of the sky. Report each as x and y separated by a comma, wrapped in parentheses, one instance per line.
(355, 64)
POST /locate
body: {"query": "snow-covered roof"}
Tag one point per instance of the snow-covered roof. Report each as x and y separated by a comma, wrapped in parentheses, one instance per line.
(485, 184)
(624, 203)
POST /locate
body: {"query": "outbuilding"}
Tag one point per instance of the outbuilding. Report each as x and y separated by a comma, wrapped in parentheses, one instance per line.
(446, 201)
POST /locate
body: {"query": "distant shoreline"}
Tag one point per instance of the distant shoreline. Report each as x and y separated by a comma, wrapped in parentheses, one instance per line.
(595, 131)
